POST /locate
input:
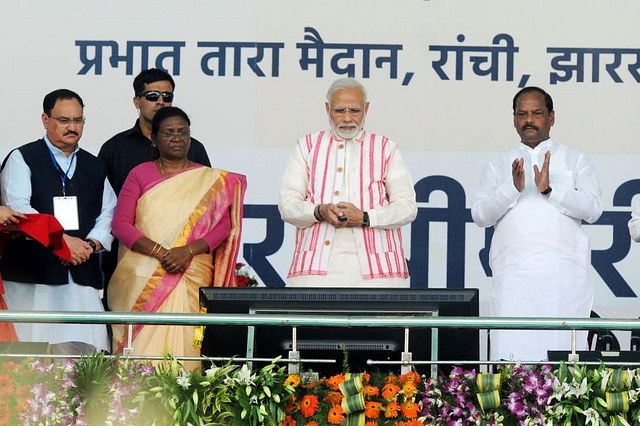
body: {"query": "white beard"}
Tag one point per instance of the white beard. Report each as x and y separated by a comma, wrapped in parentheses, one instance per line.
(347, 135)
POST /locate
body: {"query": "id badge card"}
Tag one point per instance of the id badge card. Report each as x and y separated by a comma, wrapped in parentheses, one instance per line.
(65, 209)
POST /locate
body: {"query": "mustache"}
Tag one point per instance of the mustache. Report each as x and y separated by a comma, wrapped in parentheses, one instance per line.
(529, 126)
(70, 132)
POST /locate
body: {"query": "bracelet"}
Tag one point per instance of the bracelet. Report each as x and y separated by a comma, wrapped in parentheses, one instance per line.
(190, 251)
(365, 220)
(156, 250)
(317, 214)
(153, 249)
(546, 191)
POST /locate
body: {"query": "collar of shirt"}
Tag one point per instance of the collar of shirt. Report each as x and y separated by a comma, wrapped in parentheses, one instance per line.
(542, 145)
(63, 161)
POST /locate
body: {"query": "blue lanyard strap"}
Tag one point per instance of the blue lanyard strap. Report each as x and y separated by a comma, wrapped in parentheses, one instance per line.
(63, 175)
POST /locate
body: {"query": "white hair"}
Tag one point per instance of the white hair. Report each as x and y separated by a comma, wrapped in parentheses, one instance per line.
(346, 83)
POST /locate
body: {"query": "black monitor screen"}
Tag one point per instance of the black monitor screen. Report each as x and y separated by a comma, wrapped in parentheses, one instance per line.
(358, 344)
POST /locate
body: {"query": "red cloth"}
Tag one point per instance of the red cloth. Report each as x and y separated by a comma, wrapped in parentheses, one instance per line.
(43, 228)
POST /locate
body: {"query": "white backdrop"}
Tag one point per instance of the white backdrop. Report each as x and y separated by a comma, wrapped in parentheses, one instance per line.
(449, 118)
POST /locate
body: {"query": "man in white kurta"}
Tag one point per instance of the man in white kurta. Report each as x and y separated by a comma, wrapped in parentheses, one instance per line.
(348, 192)
(536, 196)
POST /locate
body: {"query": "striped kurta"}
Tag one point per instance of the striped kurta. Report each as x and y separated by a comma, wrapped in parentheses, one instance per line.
(331, 172)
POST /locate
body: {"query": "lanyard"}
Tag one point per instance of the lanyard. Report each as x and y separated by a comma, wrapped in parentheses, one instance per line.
(63, 175)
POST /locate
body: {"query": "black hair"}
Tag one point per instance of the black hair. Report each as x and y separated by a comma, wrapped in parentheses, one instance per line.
(151, 76)
(51, 98)
(163, 114)
(547, 97)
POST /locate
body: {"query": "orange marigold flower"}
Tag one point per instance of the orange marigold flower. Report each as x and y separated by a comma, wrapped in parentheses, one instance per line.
(293, 380)
(366, 377)
(371, 424)
(308, 405)
(371, 390)
(410, 409)
(288, 421)
(336, 415)
(389, 391)
(372, 409)
(414, 422)
(333, 398)
(410, 377)
(6, 385)
(291, 404)
(5, 415)
(409, 389)
(334, 381)
(390, 379)
(391, 410)
(312, 423)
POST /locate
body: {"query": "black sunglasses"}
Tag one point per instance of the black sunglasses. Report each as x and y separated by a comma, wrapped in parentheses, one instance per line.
(154, 95)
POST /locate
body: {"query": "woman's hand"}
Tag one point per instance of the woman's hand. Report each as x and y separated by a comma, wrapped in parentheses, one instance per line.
(175, 260)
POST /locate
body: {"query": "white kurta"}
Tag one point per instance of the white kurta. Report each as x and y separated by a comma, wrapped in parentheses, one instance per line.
(16, 193)
(634, 222)
(539, 254)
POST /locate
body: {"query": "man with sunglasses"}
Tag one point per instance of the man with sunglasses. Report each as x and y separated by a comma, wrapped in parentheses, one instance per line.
(153, 89)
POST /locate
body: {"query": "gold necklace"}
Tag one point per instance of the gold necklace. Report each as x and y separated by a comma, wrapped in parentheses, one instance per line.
(186, 164)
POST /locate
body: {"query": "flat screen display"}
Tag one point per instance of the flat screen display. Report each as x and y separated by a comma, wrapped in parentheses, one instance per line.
(358, 344)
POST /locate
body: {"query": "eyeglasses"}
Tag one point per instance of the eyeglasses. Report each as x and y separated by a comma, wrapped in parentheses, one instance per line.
(154, 95)
(170, 135)
(78, 121)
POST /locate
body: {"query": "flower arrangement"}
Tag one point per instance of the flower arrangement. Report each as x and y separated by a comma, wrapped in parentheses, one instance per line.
(260, 396)
(245, 276)
(368, 399)
(100, 390)
(517, 395)
(601, 396)
(14, 388)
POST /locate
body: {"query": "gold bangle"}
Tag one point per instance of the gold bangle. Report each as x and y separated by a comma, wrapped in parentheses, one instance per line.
(156, 250)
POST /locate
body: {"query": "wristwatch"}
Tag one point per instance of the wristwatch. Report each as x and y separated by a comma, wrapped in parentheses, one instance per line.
(92, 244)
(365, 219)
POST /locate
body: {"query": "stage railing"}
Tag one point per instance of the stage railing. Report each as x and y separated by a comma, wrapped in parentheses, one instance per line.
(325, 320)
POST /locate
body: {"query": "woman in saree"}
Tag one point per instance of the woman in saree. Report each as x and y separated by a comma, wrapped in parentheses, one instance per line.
(179, 225)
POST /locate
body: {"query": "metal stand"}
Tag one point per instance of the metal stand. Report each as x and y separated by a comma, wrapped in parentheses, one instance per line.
(573, 356)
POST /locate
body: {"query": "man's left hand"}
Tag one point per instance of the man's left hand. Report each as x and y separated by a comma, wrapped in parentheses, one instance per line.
(352, 213)
(80, 250)
(542, 175)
